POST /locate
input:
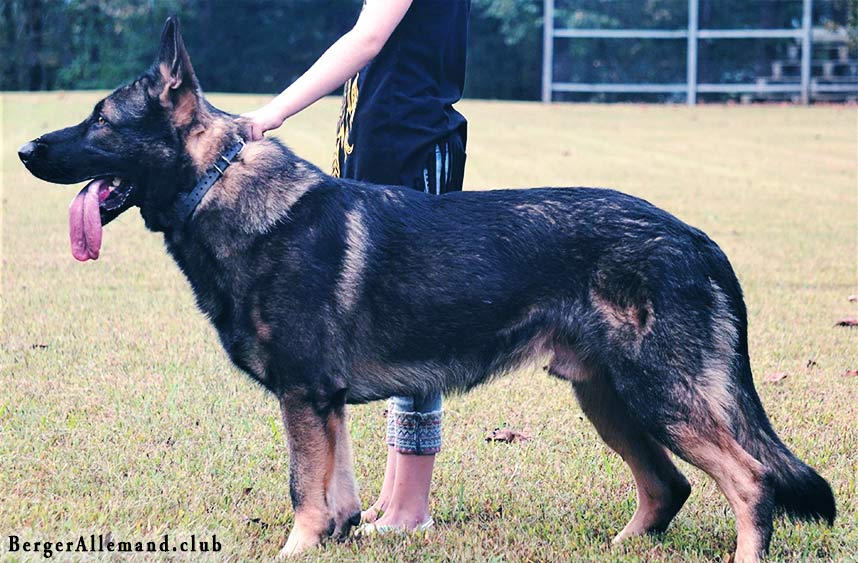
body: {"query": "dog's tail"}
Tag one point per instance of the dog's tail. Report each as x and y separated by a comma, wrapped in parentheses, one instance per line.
(800, 491)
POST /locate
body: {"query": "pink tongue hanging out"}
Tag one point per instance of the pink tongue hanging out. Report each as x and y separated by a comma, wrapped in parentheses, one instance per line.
(85, 220)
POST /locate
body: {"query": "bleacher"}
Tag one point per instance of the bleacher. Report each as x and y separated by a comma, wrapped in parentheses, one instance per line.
(832, 68)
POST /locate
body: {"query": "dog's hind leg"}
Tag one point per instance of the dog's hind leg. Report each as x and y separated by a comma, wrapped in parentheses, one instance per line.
(661, 488)
(690, 417)
(743, 480)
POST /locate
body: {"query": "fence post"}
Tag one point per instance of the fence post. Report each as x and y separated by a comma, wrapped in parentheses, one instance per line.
(806, 49)
(691, 61)
(547, 50)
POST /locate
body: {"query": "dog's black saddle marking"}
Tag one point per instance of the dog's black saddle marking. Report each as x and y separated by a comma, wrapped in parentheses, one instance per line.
(188, 202)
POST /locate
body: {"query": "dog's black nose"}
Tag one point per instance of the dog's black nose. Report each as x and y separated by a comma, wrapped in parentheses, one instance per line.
(29, 151)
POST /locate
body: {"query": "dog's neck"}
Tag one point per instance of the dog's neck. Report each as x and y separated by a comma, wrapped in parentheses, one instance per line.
(264, 181)
(201, 137)
(207, 136)
(256, 193)
(261, 183)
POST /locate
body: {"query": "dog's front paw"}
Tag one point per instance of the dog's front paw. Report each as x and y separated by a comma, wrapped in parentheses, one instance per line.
(298, 542)
(344, 521)
(343, 505)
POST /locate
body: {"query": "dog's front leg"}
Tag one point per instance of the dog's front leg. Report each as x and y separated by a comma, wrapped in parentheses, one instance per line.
(310, 463)
(341, 490)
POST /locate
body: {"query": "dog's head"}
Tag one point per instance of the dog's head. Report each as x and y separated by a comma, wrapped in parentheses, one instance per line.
(131, 148)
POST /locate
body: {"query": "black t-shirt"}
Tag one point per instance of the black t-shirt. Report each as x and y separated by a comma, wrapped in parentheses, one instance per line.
(401, 104)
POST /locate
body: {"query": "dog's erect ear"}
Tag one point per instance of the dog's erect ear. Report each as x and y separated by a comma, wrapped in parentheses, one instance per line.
(173, 60)
(178, 87)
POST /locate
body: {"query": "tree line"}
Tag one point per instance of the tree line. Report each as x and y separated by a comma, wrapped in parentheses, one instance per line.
(262, 45)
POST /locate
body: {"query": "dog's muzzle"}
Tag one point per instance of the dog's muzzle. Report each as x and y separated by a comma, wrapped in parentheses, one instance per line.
(31, 150)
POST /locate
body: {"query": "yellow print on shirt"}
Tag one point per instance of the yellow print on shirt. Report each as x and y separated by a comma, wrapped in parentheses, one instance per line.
(344, 126)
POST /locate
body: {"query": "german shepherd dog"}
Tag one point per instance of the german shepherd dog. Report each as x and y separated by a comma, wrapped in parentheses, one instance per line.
(331, 292)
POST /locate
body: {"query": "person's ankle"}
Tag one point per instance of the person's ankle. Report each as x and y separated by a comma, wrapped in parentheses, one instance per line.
(407, 518)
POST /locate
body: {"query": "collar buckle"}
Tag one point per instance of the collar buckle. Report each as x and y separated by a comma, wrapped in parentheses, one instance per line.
(187, 202)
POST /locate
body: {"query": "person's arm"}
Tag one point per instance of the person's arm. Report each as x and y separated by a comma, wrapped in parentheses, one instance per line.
(341, 61)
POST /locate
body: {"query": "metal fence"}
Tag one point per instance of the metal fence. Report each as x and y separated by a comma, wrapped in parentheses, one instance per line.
(805, 88)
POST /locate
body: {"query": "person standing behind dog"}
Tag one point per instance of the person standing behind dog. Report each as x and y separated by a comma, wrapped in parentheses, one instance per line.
(403, 65)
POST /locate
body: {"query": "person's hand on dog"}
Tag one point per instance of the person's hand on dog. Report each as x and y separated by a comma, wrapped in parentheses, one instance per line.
(350, 53)
(254, 124)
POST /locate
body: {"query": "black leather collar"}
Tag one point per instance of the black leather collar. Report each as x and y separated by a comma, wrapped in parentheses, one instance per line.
(188, 202)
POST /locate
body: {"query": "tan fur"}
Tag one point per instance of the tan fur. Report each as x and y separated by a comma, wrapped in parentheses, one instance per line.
(261, 206)
(304, 534)
(205, 143)
(182, 100)
(321, 468)
(351, 276)
(254, 354)
(263, 329)
(309, 450)
(739, 476)
(661, 488)
(717, 365)
(625, 318)
(186, 105)
(167, 78)
(566, 365)
(652, 495)
(330, 457)
(341, 491)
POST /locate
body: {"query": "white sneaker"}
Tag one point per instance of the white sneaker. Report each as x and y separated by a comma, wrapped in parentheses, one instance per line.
(381, 529)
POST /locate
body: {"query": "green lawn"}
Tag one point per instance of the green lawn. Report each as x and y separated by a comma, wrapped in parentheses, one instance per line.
(119, 411)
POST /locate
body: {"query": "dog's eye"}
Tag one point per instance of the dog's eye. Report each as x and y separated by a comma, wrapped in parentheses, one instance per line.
(100, 121)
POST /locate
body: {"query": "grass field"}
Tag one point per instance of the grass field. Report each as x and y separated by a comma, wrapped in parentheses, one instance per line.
(119, 411)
